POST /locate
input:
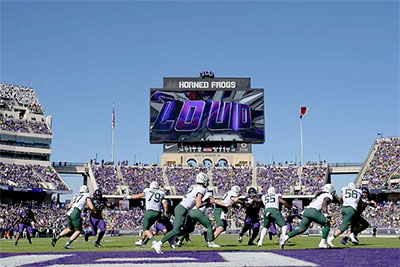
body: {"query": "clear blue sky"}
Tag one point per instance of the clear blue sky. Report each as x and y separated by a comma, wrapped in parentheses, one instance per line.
(340, 59)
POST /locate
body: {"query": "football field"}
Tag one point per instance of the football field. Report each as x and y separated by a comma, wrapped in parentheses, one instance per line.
(120, 251)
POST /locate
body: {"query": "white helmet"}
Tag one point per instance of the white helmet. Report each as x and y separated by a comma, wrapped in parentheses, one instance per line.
(235, 189)
(271, 190)
(154, 185)
(83, 189)
(328, 188)
(202, 178)
(352, 185)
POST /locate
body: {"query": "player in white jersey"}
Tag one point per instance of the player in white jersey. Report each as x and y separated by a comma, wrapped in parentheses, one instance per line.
(198, 215)
(312, 213)
(349, 198)
(154, 201)
(222, 207)
(78, 204)
(271, 203)
(192, 198)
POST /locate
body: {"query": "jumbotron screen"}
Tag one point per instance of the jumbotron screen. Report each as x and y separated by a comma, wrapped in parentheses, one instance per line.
(206, 116)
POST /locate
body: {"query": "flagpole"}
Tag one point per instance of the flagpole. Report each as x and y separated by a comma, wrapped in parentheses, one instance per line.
(112, 134)
(301, 141)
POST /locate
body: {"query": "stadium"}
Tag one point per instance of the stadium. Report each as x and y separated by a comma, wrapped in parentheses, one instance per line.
(211, 197)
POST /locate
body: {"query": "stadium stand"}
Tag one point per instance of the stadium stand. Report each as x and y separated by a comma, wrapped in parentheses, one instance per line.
(20, 95)
(181, 178)
(107, 179)
(382, 164)
(140, 177)
(283, 178)
(226, 177)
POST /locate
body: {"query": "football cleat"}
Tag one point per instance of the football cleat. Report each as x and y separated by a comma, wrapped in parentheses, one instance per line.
(344, 241)
(15, 244)
(97, 245)
(259, 243)
(270, 236)
(139, 243)
(205, 236)
(282, 241)
(53, 242)
(86, 237)
(67, 246)
(172, 246)
(322, 244)
(329, 241)
(179, 243)
(212, 245)
(30, 241)
(353, 239)
(251, 243)
(157, 247)
(240, 239)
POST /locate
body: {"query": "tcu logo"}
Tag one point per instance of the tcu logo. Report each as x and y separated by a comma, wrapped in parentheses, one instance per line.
(206, 74)
(221, 116)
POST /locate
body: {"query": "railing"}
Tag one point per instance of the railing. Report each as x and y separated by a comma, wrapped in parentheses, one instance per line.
(68, 164)
(355, 164)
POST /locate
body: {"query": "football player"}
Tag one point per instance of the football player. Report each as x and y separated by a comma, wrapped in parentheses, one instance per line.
(360, 223)
(349, 198)
(222, 207)
(252, 219)
(74, 220)
(198, 215)
(154, 197)
(25, 220)
(271, 203)
(192, 198)
(96, 219)
(312, 213)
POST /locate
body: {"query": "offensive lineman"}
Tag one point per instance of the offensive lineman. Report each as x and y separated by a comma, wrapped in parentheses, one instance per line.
(192, 198)
(312, 213)
(349, 198)
(271, 213)
(79, 202)
(154, 199)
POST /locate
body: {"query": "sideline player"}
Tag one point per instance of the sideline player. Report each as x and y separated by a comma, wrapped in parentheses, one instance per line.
(349, 198)
(79, 202)
(25, 220)
(192, 198)
(96, 219)
(312, 213)
(222, 207)
(252, 219)
(271, 213)
(154, 197)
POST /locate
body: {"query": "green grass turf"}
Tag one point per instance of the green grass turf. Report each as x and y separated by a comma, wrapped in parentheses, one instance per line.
(227, 242)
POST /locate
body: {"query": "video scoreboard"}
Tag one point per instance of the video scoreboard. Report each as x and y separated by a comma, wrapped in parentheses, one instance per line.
(206, 113)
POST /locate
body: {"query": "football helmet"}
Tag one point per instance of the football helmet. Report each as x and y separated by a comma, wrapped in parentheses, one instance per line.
(97, 194)
(83, 189)
(235, 189)
(328, 188)
(252, 192)
(202, 178)
(271, 190)
(154, 185)
(352, 185)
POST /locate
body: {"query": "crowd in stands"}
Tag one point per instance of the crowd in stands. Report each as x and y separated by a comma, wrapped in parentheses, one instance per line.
(385, 161)
(138, 178)
(313, 177)
(182, 178)
(224, 178)
(30, 176)
(24, 96)
(283, 178)
(107, 178)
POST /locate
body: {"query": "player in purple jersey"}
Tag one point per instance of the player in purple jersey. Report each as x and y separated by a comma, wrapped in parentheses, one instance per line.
(25, 221)
(96, 219)
(252, 219)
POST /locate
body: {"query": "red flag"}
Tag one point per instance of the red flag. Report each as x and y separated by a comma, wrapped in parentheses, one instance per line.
(303, 111)
(113, 119)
